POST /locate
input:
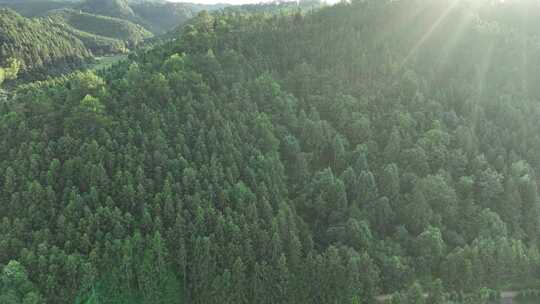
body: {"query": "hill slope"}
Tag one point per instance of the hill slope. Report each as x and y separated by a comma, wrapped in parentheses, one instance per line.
(39, 43)
(34, 8)
(366, 148)
(277, 6)
(157, 17)
(99, 45)
(112, 8)
(104, 26)
(161, 17)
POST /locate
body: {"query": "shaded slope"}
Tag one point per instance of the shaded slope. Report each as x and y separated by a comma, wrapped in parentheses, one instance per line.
(161, 17)
(115, 28)
(99, 45)
(39, 43)
(34, 8)
(155, 16)
(112, 8)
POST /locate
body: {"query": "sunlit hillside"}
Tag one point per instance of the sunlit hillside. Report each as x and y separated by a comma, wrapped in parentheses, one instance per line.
(373, 151)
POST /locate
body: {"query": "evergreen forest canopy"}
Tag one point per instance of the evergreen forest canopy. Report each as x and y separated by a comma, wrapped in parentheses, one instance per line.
(40, 45)
(102, 26)
(331, 156)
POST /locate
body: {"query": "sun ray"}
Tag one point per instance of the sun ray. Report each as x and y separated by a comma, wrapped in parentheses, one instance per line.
(449, 47)
(524, 56)
(429, 32)
(400, 21)
(483, 68)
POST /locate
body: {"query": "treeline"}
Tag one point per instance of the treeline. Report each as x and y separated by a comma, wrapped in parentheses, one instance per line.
(279, 7)
(363, 149)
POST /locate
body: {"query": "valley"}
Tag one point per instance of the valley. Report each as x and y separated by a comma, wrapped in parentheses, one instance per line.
(82, 30)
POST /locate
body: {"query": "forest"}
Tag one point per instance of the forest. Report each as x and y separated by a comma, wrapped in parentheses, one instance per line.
(349, 154)
(102, 26)
(38, 44)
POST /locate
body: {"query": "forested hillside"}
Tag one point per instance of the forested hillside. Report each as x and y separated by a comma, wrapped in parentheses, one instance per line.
(98, 45)
(157, 17)
(34, 8)
(63, 35)
(40, 45)
(161, 17)
(276, 6)
(104, 26)
(112, 8)
(367, 148)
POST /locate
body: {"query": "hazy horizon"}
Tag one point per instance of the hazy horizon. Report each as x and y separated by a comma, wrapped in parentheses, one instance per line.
(238, 2)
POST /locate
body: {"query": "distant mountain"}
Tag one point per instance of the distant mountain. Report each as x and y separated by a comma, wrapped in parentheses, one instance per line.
(197, 7)
(112, 8)
(40, 44)
(276, 6)
(156, 16)
(33, 8)
(159, 17)
(116, 28)
(99, 45)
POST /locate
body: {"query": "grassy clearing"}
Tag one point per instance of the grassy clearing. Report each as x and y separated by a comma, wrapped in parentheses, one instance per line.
(106, 61)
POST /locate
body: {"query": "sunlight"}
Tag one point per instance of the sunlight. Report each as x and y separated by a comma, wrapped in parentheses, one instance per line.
(401, 21)
(524, 55)
(429, 31)
(483, 69)
(373, 151)
(452, 42)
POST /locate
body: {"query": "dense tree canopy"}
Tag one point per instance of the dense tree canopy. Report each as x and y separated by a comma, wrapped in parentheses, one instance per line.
(10, 71)
(102, 26)
(366, 148)
(38, 44)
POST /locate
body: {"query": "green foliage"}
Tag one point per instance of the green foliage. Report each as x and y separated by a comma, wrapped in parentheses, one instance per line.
(282, 7)
(436, 293)
(10, 71)
(38, 44)
(12, 68)
(15, 286)
(99, 45)
(118, 18)
(160, 17)
(102, 26)
(320, 158)
(112, 8)
(34, 8)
